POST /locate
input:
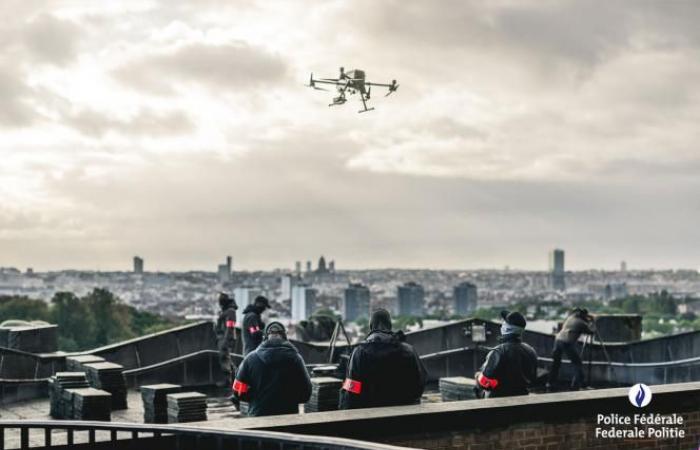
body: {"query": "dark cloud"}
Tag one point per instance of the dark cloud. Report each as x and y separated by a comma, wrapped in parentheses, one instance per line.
(232, 67)
(143, 123)
(51, 40)
(15, 108)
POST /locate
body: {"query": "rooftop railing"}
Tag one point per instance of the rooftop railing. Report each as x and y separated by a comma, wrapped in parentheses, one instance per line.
(52, 434)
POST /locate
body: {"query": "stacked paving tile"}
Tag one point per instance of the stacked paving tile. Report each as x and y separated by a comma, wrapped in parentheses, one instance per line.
(186, 407)
(325, 393)
(60, 408)
(91, 404)
(108, 377)
(457, 388)
(77, 363)
(155, 402)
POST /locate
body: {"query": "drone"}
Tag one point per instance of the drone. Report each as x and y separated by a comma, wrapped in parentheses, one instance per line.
(349, 83)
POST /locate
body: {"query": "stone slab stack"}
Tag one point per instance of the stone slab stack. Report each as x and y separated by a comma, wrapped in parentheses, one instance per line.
(155, 402)
(187, 407)
(58, 384)
(457, 388)
(91, 404)
(109, 377)
(325, 392)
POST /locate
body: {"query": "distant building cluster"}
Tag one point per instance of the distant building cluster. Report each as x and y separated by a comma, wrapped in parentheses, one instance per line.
(353, 294)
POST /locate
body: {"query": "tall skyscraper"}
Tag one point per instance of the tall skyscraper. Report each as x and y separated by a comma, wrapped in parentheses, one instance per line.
(303, 302)
(356, 302)
(411, 298)
(331, 266)
(556, 270)
(465, 298)
(623, 266)
(224, 270)
(244, 295)
(308, 266)
(322, 265)
(286, 284)
(138, 264)
(297, 268)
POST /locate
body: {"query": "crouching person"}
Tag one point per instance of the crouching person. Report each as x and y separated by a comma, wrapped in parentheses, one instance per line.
(273, 378)
(383, 370)
(512, 365)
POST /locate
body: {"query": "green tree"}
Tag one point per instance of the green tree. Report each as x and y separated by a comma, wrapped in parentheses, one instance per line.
(22, 308)
(76, 323)
(111, 317)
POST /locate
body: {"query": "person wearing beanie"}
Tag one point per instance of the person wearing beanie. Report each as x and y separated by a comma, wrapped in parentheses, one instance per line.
(383, 370)
(512, 365)
(273, 378)
(226, 334)
(253, 326)
(577, 323)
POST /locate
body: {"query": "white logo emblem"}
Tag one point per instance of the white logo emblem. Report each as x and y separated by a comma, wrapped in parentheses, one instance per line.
(639, 395)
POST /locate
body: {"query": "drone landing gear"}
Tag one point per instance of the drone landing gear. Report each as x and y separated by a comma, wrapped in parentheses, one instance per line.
(364, 104)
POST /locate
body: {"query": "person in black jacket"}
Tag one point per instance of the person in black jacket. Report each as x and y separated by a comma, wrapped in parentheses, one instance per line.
(512, 365)
(253, 326)
(577, 323)
(383, 370)
(226, 334)
(273, 379)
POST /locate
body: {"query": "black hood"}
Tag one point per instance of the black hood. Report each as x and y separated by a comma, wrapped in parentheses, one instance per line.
(382, 336)
(273, 351)
(252, 308)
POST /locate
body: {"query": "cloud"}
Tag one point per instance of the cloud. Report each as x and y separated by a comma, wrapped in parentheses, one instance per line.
(143, 123)
(231, 67)
(15, 109)
(51, 40)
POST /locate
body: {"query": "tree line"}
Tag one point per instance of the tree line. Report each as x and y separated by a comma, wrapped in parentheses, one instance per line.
(96, 319)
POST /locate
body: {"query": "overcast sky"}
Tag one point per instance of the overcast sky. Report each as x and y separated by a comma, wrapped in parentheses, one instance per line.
(182, 132)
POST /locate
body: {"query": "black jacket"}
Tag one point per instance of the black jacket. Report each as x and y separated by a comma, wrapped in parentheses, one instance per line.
(383, 371)
(273, 379)
(225, 331)
(574, 326)
(252, 328)
(513, 366)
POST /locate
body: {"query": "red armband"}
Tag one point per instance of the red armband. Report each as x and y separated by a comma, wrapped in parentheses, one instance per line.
(240, 387)
(486, 382)
(230, 324)
(352, 386)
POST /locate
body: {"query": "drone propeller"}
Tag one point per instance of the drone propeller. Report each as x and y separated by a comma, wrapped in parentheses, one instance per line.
(312, 84)
(392, 88)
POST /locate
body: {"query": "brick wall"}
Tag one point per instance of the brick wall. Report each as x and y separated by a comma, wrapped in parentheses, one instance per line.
(535, 422)
(545, 436)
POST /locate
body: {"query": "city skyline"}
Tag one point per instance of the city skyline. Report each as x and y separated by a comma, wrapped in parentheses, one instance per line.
(184, 132)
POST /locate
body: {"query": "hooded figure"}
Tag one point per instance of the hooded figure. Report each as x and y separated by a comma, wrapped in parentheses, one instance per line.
(579, 322)
(253, 326)
(273, 379)
(512, 365)
(383, 370)
(226, 333)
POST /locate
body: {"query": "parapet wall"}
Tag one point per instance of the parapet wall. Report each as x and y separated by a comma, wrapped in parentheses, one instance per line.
(547, 421)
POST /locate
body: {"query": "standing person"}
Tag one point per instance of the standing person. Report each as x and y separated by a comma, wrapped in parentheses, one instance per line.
(383, 370)
(253, 326)
(273, 379)
(226, 334)
(512, 365)
(579, 322)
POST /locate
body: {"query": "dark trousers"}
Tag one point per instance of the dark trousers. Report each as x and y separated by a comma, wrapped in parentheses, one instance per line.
(568, 348)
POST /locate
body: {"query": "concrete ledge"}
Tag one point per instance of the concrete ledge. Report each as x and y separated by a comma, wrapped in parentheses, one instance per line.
(476, 420)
